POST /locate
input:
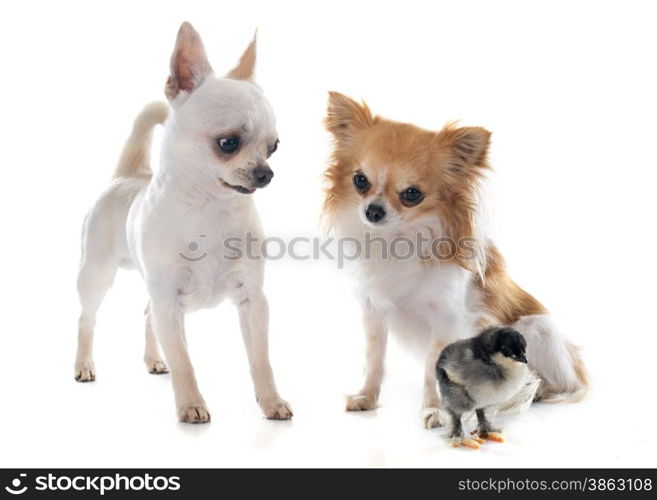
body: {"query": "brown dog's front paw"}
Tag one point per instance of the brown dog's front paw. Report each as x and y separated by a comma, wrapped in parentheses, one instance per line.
(431, 417)
(361, 402)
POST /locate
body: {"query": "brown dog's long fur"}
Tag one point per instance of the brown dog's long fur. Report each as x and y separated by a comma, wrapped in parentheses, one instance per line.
(503, 298)
(448, 167)
(450, 163)
(454, 160)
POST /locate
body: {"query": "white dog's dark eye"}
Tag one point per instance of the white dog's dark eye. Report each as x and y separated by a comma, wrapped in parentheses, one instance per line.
(273, 148)
(411, 196)
(228, 144)
(361, 182)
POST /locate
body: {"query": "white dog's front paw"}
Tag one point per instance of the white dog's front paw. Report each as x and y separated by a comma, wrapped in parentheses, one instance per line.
(85, 371)
(361, 402)
(276, 409)
(431, 417)
(155, 366)
(194, 414)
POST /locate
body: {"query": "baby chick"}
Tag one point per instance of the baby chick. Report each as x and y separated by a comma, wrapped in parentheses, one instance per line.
(480, 372)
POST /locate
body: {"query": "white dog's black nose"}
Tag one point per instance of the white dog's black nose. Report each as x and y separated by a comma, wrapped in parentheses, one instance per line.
(375, 213)
(262, 175)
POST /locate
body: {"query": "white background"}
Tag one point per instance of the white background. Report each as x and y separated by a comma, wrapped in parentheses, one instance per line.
(568, 88)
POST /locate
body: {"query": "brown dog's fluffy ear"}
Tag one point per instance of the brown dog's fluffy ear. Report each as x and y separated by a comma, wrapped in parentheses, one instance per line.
(345, 116)
(469, 145)
(245, 68)
(467, 163)
(189, 64)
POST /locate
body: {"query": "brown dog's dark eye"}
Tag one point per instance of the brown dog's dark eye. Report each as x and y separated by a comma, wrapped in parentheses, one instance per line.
(229, 144)
(411, 196)
(361, 182)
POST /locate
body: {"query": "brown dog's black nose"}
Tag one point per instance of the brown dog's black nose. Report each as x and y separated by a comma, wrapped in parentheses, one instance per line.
(262, 175)
(375, 213)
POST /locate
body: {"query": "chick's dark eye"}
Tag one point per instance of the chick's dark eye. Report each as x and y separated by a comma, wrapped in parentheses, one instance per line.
(361, 182)
(411, 196)
(228, 144)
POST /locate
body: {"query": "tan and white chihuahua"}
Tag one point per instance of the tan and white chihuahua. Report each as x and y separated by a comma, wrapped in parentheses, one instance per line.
(393, 181)
(172, 225)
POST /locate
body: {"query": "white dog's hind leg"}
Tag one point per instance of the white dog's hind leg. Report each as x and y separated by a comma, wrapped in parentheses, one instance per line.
(376, 336)
(152, 355)
(168, 323)
(254, 320)
(94, 279)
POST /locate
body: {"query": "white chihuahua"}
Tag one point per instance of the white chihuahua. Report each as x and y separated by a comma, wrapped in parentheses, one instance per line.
(217, 139)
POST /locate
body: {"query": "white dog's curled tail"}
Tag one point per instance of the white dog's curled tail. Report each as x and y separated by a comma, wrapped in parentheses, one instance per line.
(135, 157)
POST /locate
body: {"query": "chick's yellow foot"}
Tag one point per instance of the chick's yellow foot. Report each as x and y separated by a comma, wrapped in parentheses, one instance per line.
(467, 442)
(492, 436)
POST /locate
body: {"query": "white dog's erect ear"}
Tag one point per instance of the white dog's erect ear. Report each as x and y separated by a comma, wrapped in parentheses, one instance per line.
(345, 116)
(245, 69)
(189, 64)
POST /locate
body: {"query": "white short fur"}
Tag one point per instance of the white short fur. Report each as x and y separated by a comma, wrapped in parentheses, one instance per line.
(148, 222)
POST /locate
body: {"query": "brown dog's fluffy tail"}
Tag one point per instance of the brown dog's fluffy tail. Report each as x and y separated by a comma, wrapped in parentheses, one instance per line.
(135, 157)
(577, 389)
(557, 361)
